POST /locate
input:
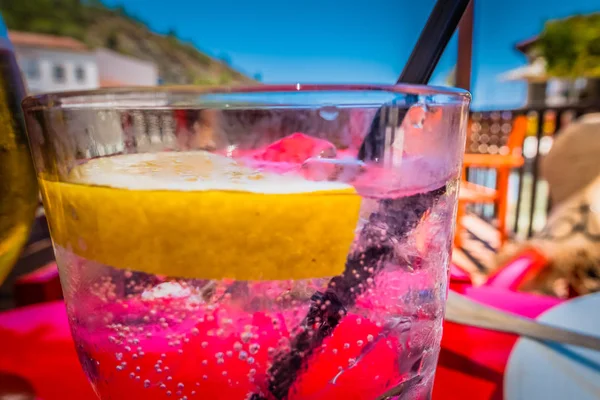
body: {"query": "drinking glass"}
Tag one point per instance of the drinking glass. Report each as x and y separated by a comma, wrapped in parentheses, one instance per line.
(18, 189)
(270, 242)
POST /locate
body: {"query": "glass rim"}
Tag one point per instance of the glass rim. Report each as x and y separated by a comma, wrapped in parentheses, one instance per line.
(82, 97)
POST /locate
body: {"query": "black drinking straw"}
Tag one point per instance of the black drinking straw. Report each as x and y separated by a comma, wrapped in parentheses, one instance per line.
(398, 217)
(434, 38)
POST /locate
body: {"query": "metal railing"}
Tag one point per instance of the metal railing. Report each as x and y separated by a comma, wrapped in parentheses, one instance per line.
(529, 201)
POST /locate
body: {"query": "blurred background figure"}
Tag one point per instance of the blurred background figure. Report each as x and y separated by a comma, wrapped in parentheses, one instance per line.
(570, 239)
(196, 129)
(572, 163)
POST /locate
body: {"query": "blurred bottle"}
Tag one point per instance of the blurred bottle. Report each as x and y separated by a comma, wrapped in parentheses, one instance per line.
(18, 188)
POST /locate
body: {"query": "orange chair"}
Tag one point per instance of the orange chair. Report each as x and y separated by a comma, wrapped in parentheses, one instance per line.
(471, 193)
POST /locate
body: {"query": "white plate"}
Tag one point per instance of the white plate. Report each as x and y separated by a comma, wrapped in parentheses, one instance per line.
(553, 371)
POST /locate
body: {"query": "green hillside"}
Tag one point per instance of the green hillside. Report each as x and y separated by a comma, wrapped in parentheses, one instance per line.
(98, 26)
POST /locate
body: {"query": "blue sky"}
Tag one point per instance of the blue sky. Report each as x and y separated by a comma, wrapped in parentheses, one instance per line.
(352, 41)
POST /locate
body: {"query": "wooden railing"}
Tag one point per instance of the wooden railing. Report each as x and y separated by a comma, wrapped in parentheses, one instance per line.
(529, 201)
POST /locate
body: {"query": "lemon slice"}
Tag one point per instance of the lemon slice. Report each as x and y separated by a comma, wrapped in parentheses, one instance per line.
(200, 215)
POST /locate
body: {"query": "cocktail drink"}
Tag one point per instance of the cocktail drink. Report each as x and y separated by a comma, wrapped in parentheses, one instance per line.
(253, 243)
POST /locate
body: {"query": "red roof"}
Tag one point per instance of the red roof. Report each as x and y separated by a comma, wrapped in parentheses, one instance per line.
(109, 83)
(525, 45)
(46, 41)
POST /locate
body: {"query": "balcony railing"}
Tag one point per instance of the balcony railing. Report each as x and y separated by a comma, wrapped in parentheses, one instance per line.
(529, 201)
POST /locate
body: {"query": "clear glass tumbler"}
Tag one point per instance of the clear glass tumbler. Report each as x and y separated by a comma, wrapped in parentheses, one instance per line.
(272, 242)
(18, 189)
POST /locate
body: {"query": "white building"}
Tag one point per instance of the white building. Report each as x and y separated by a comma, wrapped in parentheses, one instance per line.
(543, 90)
(54, 63)
(115, 69)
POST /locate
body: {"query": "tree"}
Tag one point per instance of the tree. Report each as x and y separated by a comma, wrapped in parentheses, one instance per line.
(451, 77)
(112, 41)
(571, 46)
(120, 10)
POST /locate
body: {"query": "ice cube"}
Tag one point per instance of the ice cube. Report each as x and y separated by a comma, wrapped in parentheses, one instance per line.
(172, 290)
(296, 148)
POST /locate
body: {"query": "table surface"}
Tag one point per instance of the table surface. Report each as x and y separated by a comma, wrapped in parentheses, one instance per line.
(36, 344)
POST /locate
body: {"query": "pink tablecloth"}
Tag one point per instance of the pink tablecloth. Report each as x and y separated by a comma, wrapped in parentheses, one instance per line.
(35, 344)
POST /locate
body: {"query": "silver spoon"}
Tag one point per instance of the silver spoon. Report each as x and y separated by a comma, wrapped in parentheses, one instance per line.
(462, 310)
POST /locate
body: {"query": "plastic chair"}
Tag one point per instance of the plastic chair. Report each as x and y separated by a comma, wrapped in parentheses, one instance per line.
(471, 193)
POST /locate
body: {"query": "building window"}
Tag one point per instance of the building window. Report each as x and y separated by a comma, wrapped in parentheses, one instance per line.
(58, 73)
(80, 74)
(32, 69)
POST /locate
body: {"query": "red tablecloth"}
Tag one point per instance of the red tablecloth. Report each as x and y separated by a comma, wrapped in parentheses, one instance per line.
(35, 343)
(473, 360)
